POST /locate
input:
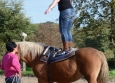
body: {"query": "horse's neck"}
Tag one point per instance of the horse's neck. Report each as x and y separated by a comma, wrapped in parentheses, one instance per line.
(30, 48)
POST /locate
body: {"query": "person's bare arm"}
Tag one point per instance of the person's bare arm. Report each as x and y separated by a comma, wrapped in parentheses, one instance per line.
(53, 4)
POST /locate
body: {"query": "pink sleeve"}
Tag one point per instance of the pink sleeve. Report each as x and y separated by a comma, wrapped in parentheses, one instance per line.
(16, 64)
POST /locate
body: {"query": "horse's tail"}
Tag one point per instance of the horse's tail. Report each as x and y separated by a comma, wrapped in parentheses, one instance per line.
(103, 74)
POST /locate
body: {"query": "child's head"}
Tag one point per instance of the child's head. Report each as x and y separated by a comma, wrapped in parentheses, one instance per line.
(10, 46)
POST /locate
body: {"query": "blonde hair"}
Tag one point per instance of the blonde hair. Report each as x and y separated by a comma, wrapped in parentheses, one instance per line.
(34, 48)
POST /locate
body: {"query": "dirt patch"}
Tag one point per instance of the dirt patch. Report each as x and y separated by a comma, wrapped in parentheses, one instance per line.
(34, 80)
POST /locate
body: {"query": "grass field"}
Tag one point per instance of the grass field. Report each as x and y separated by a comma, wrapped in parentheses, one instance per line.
(28, 72)
(112, 73)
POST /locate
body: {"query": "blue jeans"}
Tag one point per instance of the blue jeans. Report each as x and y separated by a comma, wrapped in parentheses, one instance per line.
(65, 24)
(13, 79)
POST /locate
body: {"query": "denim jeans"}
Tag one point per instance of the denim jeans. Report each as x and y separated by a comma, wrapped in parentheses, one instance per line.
(65, 24)
(13, 79)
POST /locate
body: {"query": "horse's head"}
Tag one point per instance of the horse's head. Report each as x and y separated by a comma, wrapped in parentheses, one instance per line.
(19, 54)
(18, 51)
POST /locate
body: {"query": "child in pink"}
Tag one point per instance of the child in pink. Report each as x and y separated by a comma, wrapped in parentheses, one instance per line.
(10, 64)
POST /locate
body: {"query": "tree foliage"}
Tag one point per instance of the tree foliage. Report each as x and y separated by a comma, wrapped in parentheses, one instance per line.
(88, 10)
(12, 20)
(92, 24)
(48, 34)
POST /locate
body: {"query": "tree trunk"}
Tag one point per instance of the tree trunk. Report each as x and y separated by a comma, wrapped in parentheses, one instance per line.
(113, 25)
(24, 66)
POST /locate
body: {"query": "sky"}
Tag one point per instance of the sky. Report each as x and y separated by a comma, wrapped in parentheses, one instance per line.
(35, 10)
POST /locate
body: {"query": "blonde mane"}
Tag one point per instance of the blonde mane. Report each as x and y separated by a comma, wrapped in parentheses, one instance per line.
(30, 47)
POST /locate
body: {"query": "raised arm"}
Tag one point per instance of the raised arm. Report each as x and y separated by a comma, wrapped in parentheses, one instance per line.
(53, 4)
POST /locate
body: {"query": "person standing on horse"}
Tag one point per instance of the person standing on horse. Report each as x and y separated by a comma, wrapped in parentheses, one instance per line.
(65, 21)
(10, 64)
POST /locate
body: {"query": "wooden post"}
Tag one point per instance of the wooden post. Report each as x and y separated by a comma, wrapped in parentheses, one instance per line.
(23, 63)
(113, 26)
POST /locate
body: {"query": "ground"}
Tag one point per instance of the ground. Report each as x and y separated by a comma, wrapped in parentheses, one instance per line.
(34, 80)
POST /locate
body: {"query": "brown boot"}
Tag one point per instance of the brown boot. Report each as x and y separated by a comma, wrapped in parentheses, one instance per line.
(65, 48)
(70, 45)
(66, 45)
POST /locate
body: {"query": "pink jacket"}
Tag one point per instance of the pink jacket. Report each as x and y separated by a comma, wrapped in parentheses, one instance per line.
(10, 64)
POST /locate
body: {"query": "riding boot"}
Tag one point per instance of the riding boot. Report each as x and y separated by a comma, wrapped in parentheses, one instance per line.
(70, 45)
(65, 49)
(66, 45)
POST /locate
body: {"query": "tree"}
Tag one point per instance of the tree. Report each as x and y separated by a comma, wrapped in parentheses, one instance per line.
(93, 20)
(112, 37)
(48, 33)
(86, 10)
(12, 20)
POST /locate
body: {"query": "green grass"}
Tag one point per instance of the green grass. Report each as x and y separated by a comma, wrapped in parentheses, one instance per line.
(1, 72)
(28, 72)
(112, 73)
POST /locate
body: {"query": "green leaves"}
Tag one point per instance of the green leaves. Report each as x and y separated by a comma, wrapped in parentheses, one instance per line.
(12, 20)
(92, 24)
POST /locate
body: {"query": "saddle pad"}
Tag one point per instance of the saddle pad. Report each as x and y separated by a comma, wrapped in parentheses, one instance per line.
(57, 57)
(62, 57)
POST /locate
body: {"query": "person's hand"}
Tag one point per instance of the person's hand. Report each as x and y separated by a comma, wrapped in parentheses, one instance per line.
(47, 11)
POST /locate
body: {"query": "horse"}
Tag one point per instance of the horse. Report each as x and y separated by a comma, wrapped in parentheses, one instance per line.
(87, 62)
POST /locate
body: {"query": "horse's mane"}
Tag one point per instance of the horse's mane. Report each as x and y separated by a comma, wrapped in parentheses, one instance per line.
(30, 47)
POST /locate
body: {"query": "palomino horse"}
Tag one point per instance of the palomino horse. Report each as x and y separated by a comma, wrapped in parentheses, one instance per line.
(87, 62)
